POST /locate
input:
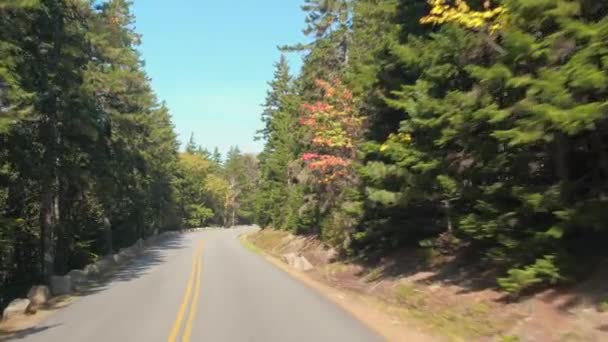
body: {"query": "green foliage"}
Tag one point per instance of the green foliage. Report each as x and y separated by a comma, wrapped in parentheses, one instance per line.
(509, 338)
(88, 156)
(198, 215)
(544, 270)
(485, 131)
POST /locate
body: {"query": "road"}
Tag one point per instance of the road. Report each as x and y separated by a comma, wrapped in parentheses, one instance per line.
(202, 286)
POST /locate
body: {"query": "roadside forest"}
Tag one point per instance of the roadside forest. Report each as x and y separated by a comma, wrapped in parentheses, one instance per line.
(472, 128)
(89, 161)
(475, 128)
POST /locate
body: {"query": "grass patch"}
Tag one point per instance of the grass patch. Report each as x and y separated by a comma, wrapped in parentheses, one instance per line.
(268, 240)
(456, 322)
(603, 306)
(375, 274)
(244, 239)
(460, 321)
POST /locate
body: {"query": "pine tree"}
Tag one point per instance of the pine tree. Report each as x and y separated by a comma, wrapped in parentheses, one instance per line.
(191, 146)
(216, 157)
(281, 135)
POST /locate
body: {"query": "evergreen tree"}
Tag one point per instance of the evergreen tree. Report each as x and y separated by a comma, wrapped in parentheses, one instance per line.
(281, 135)
(191, 146)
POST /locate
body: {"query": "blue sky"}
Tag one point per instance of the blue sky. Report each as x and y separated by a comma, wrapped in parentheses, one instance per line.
(211, 61)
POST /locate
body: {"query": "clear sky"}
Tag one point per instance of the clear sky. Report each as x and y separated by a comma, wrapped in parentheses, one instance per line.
(211, 61)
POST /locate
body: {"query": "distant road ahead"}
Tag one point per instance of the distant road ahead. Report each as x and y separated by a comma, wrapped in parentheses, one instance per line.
(201, 287)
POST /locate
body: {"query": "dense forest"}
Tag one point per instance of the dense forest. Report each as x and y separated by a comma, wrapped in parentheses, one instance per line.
(89, 160)
(474, 127)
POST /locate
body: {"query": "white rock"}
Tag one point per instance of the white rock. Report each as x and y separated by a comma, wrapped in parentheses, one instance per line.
(290, 258)
(332, 255)
(297, 261)
(61, 285)
(302, 264)
(91, 269)
(104, 265)
(39, 295)
(123, 255)
(16, 307)
(117, 258)
(78, 278)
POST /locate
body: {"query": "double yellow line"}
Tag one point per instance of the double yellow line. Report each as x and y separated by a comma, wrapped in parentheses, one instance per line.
(194, 281)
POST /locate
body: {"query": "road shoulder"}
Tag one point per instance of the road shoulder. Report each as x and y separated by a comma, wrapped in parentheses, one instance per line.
(379, 317)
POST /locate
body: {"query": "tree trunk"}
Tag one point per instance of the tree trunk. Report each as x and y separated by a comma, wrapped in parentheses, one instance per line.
(448, 215)
(46, 230)
(49, 108)
(562, 160)
(107, 234)
(600, 149)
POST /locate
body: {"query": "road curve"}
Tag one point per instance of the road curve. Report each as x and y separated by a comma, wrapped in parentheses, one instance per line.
(200, 287)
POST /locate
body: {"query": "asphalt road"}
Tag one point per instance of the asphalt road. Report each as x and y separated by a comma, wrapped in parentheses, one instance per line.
(201, 286)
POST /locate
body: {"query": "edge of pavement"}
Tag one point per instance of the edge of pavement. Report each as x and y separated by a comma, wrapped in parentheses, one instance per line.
(365, 309)
(19, 324)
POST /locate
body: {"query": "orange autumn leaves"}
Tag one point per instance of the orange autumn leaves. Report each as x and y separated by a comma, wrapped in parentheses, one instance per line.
(334, 127)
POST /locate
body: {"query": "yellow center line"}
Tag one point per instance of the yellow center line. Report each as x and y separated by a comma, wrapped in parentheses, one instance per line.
(197, 291)
(182, 309)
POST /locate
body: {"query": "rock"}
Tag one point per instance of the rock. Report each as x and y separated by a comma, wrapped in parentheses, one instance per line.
(126, 253)
(104, 264)
(32, 309)
(117, 258)
(297, 261)
(16, 307)
(91, 269)
(78, 277)
(332, 255)
(61, 285)
(434, 287)
(39, 295)
(302, 264)
(290, 258)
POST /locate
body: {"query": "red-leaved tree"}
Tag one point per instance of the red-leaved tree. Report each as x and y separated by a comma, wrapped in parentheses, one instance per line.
(334, 128)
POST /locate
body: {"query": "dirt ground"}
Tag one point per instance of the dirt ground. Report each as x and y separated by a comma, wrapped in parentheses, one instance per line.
(449, 300)
(23, 325)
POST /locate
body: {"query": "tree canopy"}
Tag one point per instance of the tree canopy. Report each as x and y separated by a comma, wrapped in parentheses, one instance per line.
(475, 126)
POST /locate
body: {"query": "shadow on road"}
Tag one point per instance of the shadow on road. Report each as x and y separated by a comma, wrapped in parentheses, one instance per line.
(23, 333)
(134, 268)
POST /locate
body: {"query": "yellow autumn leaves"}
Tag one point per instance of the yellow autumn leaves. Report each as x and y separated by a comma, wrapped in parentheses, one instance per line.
(490, 19)
(399, 138)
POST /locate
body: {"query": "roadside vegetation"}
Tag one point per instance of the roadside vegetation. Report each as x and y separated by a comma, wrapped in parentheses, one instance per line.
(471, 135)
(89, 161)
(469, 128)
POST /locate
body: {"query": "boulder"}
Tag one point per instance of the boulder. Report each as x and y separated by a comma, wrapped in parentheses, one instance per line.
(39, 295)
(16, 307)
(332, 255)
(126, 253)
(104, 265)
(117, 258)
(290, 258)
(297, 261)
(139, 245)
(78, 277)
(302, 264)
(91, 269)
(61, 285)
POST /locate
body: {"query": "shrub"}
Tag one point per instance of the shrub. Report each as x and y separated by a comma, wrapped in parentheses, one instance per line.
(544, 270)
